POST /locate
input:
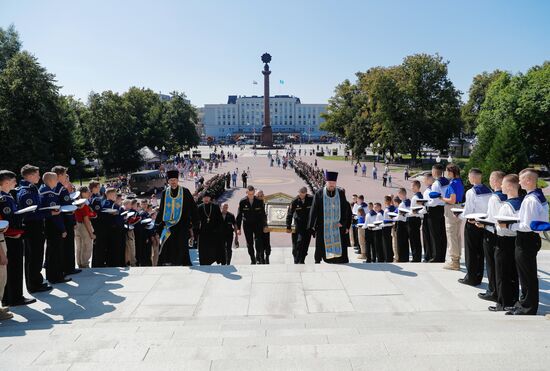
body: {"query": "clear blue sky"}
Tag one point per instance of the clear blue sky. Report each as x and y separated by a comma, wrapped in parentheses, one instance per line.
(210, 49)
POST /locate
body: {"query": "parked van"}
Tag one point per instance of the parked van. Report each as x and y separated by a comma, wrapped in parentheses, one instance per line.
(146, 181)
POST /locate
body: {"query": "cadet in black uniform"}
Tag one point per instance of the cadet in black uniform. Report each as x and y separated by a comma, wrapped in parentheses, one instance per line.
(55, 229)
(33, 225)
(229, 230)
(252, 216)
(13, 294)
(267, 236)
(68, 219)
(299, 210)
(98, 255)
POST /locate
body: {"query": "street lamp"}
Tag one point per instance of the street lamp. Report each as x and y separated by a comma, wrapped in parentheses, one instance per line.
(438, 159)
(73, 163)
(449, 159)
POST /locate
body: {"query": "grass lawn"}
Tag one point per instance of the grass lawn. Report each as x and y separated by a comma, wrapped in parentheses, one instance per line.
(334, 158)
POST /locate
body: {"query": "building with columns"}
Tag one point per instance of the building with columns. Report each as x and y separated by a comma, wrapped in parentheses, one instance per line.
(243, 116)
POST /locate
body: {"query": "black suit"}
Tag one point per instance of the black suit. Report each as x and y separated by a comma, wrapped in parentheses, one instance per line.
(253, 218)
(228, 231)
(301, 237)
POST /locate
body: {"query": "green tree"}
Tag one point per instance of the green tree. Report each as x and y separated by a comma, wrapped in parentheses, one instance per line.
(432, 105)
(498, 108)
(476, 97)
(533, 113)
(383, 102)
(341, 111)
(9, 45)
(111, 128)
(32, 121)
(180, 119)
(147, 111)
(508, 152)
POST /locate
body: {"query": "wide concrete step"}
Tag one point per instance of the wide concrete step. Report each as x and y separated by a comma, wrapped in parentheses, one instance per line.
(276, 317)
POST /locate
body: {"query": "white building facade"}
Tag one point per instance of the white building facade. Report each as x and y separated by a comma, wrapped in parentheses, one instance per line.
(244, 116)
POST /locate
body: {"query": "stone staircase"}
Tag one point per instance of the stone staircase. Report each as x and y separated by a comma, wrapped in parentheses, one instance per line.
(273, 317)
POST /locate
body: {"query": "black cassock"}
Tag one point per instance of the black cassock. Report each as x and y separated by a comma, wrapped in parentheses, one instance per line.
(210, 231)
(316, 222)
(175, 250)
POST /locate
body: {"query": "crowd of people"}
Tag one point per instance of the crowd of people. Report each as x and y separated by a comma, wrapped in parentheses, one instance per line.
(310, 173)
(46, 223)
(498, 225)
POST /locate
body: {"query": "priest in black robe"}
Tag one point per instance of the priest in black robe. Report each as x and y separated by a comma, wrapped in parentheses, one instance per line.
(175, 219)
(330, 226)
(210, 232)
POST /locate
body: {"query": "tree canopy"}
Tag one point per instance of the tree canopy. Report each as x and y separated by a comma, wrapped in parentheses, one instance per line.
(399, 109)
(43, 127)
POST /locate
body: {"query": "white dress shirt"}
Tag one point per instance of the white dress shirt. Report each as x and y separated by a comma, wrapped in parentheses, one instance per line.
(403, 206)
(493, 209)
(506, 210)
(533, 208)
(476, 202)
(437, 187)
(414, 204)
(387, 217)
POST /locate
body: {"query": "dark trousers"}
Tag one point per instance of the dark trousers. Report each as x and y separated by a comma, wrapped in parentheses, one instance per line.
(527, 246)
(426, 240)
(139, 236)
(147, 260)
(13, 292)
(473, 253)
(34, 253)
(254, 237)
(377, 247)
(402, 241)
(301, 240)
(413, 225)
(227, 247)
(68, 246)
(54, 253)
(369, 246)
(438, 235)
(115, 247)
(355, 237)
(489, 245)
(506, 273)
(99, 253)
(267, 244)
(293, 239)
(387, 244)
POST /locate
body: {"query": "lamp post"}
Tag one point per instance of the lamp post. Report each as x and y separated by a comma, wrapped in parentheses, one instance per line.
(73, 163)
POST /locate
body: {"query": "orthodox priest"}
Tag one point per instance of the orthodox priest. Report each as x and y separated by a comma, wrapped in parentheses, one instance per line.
(329, 221)
(211, 248)
(175, 219)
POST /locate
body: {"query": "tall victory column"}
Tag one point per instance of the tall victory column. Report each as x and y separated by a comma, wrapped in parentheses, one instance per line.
(267, 132)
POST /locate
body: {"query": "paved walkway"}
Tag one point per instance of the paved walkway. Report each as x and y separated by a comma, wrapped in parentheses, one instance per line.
(273, 317)
(275, 179)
